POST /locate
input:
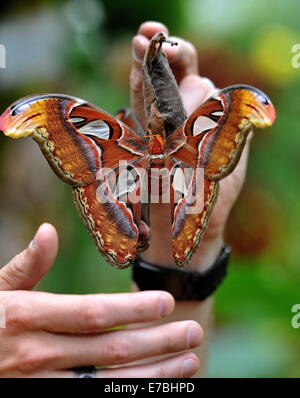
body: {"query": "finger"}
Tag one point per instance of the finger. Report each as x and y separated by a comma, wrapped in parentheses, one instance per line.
(183, 365)
(26, 269)
(182, 58)
(89, 313)
(150, 28)
(139, 44)
(181, 68)
(141, 41)
(194, 91)
(123, 346)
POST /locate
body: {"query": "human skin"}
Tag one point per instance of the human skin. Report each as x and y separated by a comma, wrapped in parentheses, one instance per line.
(194, 89)
(47, 334)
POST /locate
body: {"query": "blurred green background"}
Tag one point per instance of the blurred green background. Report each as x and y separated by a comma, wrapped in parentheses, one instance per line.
(83, 48)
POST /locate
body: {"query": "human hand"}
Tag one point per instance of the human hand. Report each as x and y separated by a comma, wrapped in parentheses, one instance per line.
(48, 334)
(194, 90)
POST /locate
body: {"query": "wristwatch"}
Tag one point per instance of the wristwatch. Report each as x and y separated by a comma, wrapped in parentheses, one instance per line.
(181, 283)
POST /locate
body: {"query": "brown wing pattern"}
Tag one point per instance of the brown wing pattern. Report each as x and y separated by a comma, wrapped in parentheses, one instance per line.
(211, 141)
(84, 146)
(90, 150)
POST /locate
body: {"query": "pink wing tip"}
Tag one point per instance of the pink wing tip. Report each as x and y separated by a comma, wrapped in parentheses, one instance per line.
(4, 120)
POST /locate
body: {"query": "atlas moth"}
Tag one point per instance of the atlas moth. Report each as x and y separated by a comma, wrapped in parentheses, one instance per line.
(93, 151)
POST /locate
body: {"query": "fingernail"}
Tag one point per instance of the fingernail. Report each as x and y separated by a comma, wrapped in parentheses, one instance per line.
(193, 336)
(189, 367)
(32, 244)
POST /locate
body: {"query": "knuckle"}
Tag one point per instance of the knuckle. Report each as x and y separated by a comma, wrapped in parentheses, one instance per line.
(189, 49)
(17, 317)
(118, 350)
(11, 273)
(7, 351)
(16, 269)
(31, 357)
(94, 314)
(192, 50)
(170, 342)
(16, 266)
(140, 310)
(163, 372)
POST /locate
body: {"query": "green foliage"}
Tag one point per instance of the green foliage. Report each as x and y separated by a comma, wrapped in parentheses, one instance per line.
(121, 15)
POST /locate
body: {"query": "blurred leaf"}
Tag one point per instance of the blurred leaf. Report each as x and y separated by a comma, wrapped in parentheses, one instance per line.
(272, 54)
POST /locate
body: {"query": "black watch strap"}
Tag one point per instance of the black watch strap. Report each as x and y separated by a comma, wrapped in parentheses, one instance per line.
(181, 283)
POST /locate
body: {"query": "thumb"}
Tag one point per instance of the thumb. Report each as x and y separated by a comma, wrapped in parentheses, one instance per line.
(25, 270)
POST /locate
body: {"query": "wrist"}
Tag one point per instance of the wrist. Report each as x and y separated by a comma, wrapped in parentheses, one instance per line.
(184, 284)
(161, 254)
(206, 253)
